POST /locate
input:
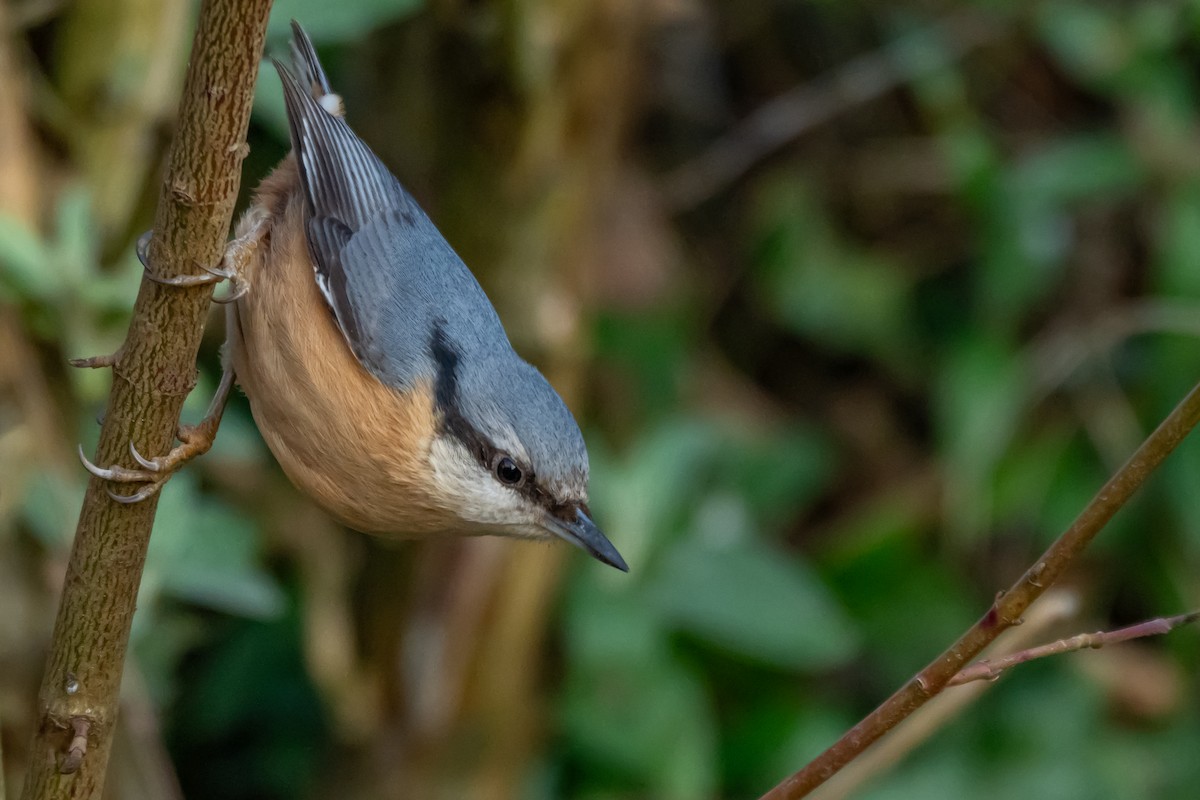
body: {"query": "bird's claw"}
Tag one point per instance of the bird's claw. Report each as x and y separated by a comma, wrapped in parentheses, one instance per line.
(240, 288)
(149, 464)
(154, 472)
(147, 491)
(117, 474)
(222, 272)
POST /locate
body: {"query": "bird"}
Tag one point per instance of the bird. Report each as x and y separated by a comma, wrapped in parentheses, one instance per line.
(376, 368)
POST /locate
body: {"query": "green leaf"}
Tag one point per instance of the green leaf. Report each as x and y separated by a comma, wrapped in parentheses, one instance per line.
(25, 263)
(1027, 479)
(1087, 40)
(650, 721)
(75, 237)
(815, 285)
(780, 475)
(251, 724)
(629, 702)
(113, 289)
(652, 348)
(980, 403)
(217, 566)
(610, 623)
(50, 507)
(1084, 167)
(809, 733)
(749, 599)
(644, 498)
(203, 553)
(1178, 262)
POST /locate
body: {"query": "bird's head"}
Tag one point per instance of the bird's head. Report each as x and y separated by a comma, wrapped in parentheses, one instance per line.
(508, 457)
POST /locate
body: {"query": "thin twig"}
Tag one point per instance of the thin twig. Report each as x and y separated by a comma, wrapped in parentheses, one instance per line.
(988, 670)
(1056, 607)
(859, 81)
(95, 362)
(77, 749)
(1008, 607)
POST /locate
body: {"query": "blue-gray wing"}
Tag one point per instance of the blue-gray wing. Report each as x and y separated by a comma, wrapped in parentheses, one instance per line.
(380, 263)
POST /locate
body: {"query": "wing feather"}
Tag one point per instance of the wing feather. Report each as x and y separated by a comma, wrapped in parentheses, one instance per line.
(346, 188)
(382, 266)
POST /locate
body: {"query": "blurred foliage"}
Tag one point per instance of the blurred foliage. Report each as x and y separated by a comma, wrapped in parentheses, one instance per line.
(832, 408)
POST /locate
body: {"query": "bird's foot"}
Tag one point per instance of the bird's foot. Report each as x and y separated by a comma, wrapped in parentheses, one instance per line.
(194, 440)
(154, 472)
(237, 253)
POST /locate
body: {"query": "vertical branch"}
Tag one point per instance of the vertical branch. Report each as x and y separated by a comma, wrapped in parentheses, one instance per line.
(153, 372)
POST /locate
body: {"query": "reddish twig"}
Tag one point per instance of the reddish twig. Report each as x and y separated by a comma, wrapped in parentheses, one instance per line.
(988, 670)
(1056, 607)
(1008, 607)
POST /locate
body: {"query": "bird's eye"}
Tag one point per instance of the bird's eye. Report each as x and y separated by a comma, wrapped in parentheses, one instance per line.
(508, 471)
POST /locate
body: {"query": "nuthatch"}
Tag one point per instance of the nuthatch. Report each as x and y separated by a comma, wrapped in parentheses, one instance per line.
(376, 368)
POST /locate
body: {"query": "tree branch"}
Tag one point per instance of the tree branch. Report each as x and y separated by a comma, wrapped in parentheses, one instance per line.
(1007, 609)
(1057, 606)
(988, 670)
(152, 374)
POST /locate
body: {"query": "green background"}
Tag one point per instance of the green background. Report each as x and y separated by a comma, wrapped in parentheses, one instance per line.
(857, 303)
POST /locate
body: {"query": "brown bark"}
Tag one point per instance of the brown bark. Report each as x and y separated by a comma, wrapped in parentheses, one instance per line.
(153, 373)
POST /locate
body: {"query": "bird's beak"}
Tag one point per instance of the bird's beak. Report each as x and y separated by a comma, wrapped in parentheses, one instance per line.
(583, 533)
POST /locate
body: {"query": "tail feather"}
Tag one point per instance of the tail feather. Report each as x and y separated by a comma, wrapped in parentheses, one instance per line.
(312, 74)
(345, 185)
(341, 177)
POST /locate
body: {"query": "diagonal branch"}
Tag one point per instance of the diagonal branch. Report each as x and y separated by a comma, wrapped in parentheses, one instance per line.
(1007, 609)
(989, 670)
(1057, 606)
(152, 374)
